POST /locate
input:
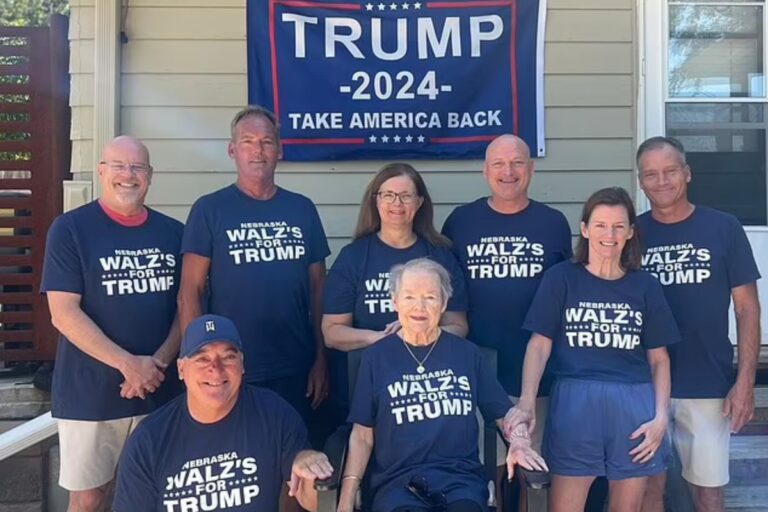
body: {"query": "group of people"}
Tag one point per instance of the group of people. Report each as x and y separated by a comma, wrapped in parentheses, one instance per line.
(601, 353)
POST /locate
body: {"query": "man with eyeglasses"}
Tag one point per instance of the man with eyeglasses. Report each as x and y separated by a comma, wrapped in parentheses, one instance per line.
(111, 279)
(260, 250)
(505, 243)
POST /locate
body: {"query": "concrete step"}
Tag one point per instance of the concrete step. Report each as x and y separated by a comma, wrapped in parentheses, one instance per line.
(20, 400)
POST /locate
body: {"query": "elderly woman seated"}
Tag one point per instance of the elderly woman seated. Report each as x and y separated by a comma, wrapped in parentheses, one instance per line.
(415, 405)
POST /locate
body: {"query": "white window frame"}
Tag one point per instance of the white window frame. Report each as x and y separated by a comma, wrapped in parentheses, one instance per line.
(651, 101)
(652, 90)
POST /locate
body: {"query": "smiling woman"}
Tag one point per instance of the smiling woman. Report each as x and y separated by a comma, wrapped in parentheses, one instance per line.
(606, 325)
(393, 227)
(420, 389)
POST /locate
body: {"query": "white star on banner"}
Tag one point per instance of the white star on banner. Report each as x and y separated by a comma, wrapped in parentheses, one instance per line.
(384, 138)
(372, 138)
(408, 138)
(417, 5)
(396, 138)
(368, 7)
(382, 7)
(393, 6)
(421, 138)
(406, 5)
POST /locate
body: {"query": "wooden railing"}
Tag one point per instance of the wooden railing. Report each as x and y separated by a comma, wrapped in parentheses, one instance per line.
(34, 159)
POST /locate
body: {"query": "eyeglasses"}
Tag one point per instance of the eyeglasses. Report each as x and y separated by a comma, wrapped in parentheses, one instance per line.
(123, 166)
(390, 197)
(419, 487)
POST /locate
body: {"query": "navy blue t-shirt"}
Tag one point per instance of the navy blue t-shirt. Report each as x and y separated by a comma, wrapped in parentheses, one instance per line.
(698, 261)
(173, 463)
(260, 254)
(128, 279)
(504, 257)
(600, 329)
(358, 283)
(425, 424)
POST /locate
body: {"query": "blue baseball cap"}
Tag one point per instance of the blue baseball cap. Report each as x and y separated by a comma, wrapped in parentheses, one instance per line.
(209, 329)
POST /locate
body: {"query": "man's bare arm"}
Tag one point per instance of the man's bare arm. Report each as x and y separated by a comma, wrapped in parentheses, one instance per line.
(194, 274)
(318, 379)
(143, 373)
(740, 401)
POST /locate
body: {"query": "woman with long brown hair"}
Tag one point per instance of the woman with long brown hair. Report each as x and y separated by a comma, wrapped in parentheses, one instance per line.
(395, 225)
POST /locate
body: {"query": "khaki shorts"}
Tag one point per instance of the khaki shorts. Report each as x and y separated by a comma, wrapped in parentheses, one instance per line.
(542, 404)
(89, 451)
(702, 438)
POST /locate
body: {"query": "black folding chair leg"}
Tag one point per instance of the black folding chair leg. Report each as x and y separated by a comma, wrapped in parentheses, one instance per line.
(536, 500)
(326, 501)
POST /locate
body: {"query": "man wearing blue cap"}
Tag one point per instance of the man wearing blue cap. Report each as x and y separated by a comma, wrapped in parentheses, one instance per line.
(221, 445)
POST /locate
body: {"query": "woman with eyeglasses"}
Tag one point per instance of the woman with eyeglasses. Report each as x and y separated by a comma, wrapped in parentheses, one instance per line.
(394, 226)
(414, 411)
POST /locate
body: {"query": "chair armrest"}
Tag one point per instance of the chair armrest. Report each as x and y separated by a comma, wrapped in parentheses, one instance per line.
(535, 479)
(336, 450)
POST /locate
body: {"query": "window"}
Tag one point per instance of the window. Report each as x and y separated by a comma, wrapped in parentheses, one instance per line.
(715, 100)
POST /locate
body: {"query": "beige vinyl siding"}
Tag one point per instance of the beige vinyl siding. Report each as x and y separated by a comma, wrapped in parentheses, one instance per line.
(81, 63)
(184, 76)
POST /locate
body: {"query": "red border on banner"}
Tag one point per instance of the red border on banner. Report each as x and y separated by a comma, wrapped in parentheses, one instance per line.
(322, 141)
(512, 47)
(478, 3)
(273, 55)
(472, 138)
(273, 51)
(310, 3)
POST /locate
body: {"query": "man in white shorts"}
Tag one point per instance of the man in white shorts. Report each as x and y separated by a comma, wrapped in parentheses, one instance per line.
(703, 259)
(111, 278)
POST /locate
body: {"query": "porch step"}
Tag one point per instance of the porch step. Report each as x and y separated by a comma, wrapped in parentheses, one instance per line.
(748, 489)
(746, 499)
(761, 405)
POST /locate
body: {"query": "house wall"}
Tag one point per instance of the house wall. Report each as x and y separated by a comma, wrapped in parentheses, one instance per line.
(183, 76)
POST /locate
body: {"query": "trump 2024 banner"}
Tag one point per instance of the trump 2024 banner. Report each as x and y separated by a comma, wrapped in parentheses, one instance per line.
(365, 79)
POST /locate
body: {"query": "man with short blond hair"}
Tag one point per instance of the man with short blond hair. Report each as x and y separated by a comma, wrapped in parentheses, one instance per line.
(257, 251)
(110, 275)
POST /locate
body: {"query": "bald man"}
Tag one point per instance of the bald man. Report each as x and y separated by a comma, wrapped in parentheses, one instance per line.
(111, 277)
(505, 242)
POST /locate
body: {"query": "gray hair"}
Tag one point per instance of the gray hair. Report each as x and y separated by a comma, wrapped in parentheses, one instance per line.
(423, 265)
(660, 142)
(255, 111)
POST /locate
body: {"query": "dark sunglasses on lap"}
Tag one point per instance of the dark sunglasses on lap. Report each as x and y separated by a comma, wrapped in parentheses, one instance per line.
(419, 487)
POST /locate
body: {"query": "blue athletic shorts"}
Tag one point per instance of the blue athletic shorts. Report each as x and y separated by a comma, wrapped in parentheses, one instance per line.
(588, 428)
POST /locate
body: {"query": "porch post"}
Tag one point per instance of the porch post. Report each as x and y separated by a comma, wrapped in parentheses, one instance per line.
(106, 104)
